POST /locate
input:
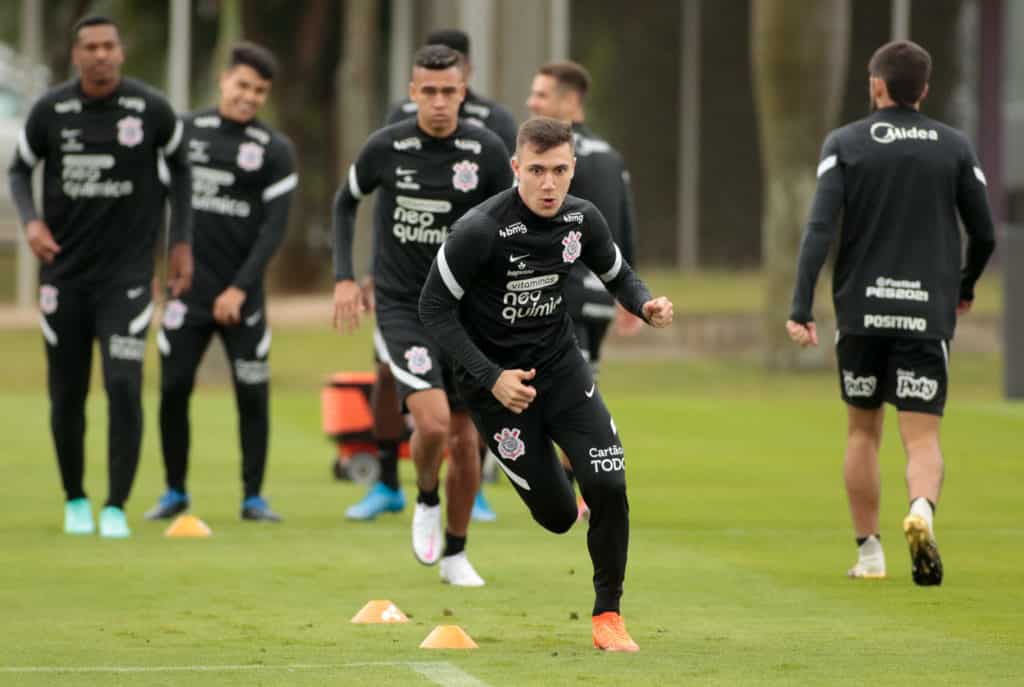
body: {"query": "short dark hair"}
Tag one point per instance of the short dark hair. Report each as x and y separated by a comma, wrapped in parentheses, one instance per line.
(255, 56)
(544, 133)
(569, 75)
(92, 20)
(436, 57)
(905, 67)
(453, 38)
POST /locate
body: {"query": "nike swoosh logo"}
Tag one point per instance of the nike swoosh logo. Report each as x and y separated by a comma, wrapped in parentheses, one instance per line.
(590, 393)
(404, 172)
(134, 293)
(517, 258)
(254, 318)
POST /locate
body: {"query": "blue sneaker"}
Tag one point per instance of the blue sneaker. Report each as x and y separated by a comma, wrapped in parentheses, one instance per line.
(113, 524)
(257, 508)
(172, 503)
(380, 499)
(78, 517)
(482, 511)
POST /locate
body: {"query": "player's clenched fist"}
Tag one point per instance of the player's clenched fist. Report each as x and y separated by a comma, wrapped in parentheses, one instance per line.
(803, 334)
(512, 391)
(658, 312)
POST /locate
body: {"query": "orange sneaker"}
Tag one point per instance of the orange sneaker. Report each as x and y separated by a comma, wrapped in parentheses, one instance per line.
(610, 633)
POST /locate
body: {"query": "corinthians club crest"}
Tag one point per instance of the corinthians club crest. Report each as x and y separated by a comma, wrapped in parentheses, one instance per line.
(465, 178)
(419, 360)
(572, 246)
(129, 131)
(250, 156)
(510, 446)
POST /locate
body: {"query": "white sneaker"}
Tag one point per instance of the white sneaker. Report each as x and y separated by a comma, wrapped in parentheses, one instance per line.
(458, 571)
(870, 561)
(427, 537)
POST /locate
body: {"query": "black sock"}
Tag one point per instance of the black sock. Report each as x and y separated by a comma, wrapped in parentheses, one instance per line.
(861, 540)
(453, 545)
(429, 498)
(387, 455)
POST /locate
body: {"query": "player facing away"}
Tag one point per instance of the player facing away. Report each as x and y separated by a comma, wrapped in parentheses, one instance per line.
(243, 175)
(495, 302)
(429, 171)
(108, 145)
(900, 180)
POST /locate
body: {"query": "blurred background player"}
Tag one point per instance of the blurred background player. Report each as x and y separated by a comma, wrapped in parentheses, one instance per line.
(900, 179)
(106, 143)
(243, 179)
(389, 429)
(430, 170)
(559, 90)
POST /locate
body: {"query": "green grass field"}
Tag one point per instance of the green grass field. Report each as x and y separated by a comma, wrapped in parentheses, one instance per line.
(740, 541)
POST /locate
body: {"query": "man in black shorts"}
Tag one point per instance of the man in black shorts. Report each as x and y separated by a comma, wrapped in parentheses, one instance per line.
(494, 301)
(430, 170)
(109, 145)
(243, 175)
(900, 179)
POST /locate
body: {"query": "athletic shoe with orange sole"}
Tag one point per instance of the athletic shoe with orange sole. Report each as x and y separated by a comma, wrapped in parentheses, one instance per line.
(610, 633)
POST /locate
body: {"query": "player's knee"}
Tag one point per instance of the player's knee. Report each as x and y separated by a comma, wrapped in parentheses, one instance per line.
(253, 399)
(559, 519)
(124, 389)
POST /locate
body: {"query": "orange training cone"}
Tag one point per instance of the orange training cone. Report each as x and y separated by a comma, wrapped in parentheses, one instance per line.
(448, 637)
(379, 611)
(188, 526)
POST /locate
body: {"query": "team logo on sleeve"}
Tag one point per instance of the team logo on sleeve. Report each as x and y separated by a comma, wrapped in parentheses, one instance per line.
(48, 299)
(418, 360)
(510, 446)
(465, 178)
(129, 131)
(250, 156)
(174, 315)
(572, 246)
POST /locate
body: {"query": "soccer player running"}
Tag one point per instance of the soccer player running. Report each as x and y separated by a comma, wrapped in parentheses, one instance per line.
(430, 171)
(559, 90)
(243, 174)
(108, 144)
(494, 301)
(388, 428)
(900, 179)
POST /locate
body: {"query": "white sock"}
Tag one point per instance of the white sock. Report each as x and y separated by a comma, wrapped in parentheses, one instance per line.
(922, 508)
(870, 547)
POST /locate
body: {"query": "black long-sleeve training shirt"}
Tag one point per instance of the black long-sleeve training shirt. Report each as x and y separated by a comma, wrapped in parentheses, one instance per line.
(601, 178)
(425, 184)
(107, 161)
(243, 177)
(475, 109)
(494, 297)
(900, 179)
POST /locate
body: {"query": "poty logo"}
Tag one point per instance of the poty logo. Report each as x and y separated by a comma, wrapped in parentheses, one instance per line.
(862, 387)
(512, 230)
(910, 386)
(572, 246)
(884, 132)
(418, 360)
(573, 218)
(510, 446)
